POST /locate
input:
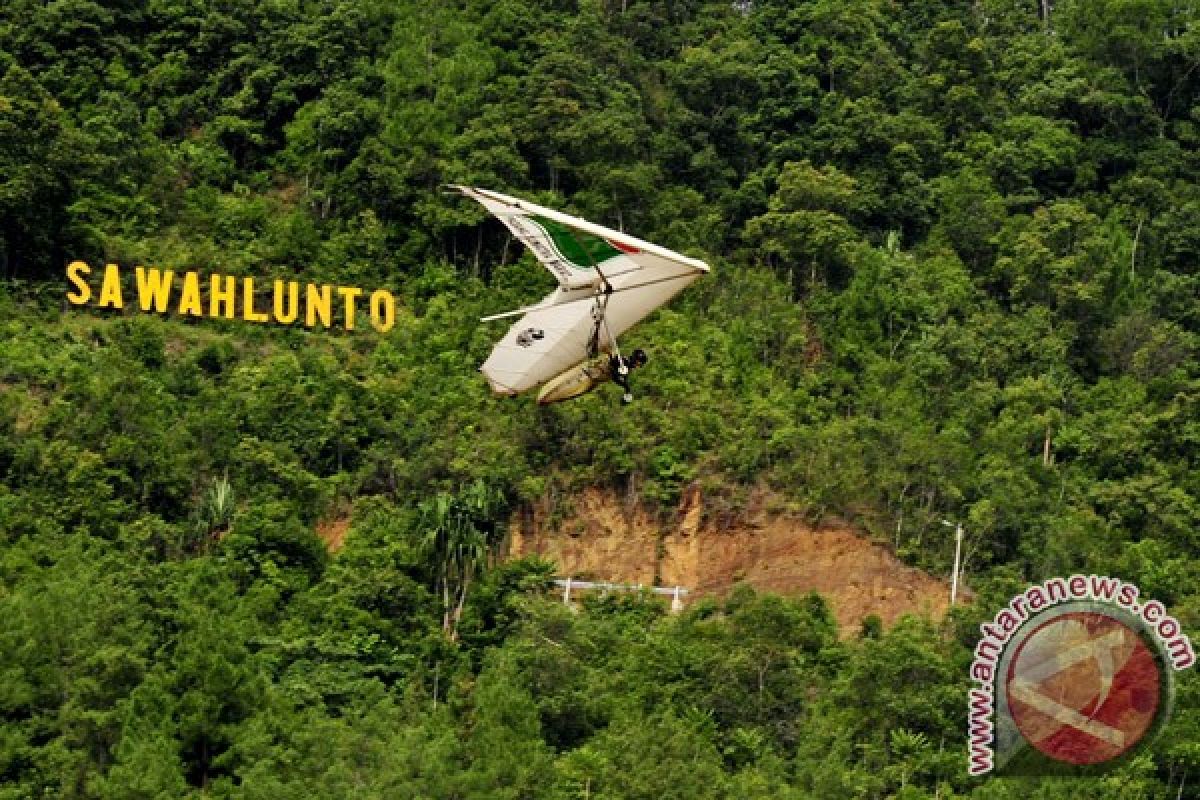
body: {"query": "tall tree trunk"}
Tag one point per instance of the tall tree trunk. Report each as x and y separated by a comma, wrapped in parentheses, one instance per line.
(461, 602)
(445, 601)
(478, 250)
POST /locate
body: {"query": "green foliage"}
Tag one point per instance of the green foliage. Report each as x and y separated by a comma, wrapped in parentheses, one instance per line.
(954, 250)
(459, 537)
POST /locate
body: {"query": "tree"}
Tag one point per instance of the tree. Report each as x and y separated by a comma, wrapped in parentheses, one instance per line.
(459, 537)
(40, 155)
(806, 225)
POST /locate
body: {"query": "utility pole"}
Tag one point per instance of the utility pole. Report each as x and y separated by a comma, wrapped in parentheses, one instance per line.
(958, 537)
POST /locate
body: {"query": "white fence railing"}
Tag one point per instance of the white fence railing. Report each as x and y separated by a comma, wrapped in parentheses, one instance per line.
(677, 593)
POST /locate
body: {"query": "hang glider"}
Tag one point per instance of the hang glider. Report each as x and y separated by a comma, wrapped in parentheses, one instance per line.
(608, 281)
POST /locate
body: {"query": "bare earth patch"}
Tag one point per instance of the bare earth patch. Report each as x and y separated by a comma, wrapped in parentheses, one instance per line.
(599, 539)
(333, 532)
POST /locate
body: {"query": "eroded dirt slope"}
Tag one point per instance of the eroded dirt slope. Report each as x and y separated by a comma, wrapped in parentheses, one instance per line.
(602, 538)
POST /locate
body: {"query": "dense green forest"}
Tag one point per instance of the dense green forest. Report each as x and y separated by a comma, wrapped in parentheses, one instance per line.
(956, 252)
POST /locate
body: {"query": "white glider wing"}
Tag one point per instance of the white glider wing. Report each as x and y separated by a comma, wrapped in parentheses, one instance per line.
(600, 272)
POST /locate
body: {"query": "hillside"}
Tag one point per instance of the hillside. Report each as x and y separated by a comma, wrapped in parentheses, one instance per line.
(954, 254)
(602, 538)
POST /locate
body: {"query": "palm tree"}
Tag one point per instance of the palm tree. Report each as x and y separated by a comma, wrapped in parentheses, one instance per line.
(215, 512)
(459, 536)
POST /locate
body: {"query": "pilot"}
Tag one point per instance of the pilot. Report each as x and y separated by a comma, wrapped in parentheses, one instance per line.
(581, 379)
(620, 372)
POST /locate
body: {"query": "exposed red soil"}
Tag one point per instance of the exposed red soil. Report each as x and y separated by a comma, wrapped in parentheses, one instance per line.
(333, 532)
(601, 538)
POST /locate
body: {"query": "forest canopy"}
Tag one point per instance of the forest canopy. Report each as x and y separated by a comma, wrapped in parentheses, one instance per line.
(954, 252)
